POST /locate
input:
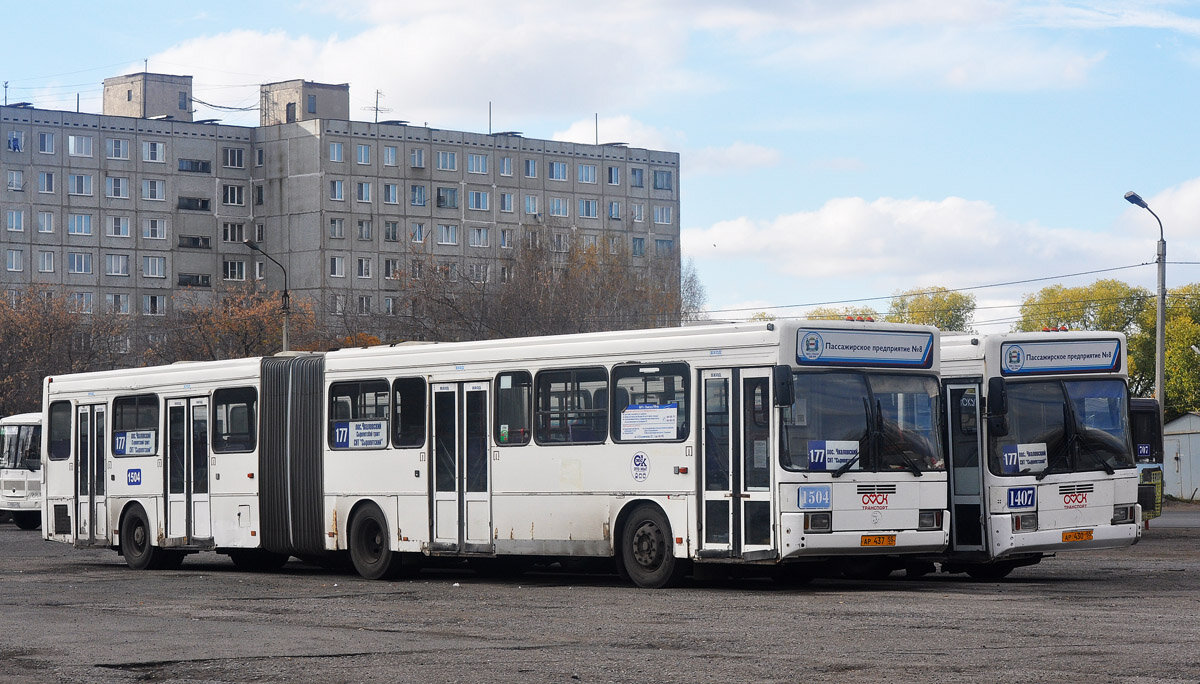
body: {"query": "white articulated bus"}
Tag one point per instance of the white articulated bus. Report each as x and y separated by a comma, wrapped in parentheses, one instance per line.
(20, 469)
(1038, 446)
(752, 443)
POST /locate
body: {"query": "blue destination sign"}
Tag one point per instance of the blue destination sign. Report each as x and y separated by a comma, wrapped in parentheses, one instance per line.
(870, 348)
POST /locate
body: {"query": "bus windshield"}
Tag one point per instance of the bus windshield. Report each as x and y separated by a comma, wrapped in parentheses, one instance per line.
(19, 446)
(1058, 426)
(847, 420)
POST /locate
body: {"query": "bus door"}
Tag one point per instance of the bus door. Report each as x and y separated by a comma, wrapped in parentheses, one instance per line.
(736, 464)
(966, 474)
(187, 461)
(91, 508)
(462, 507)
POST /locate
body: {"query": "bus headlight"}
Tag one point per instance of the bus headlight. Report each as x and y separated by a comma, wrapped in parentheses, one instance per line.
(929, 519)
(818, 522)
(1122, 514)
(1024, 522)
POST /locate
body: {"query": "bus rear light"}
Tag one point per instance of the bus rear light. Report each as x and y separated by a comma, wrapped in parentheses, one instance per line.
(929, 519)
(1122, 514)
(1024, 522)
(818, 522)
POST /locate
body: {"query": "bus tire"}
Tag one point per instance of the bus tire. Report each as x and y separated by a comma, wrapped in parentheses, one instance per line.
(257, 560)
(646, 546)
(990, 571)
(137, 542)
(369, 545)
(27, 520)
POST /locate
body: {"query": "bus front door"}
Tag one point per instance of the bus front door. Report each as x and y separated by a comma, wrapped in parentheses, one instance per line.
(91, 507)
(966, 476)
(187, 461)
(462, 507)
(735, 462)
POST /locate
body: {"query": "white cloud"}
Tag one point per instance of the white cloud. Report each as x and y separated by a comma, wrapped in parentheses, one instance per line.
(623, 129)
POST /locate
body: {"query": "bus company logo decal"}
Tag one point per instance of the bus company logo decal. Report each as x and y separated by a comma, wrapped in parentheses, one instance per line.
(640, 467)
(1078, 500)
(811, 345)
(1014, 360)
(875, 502)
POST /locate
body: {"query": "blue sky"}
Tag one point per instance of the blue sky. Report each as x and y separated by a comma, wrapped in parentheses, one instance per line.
(831, 151)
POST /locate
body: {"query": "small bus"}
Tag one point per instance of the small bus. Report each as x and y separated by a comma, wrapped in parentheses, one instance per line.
(772, 445)
(1145, 421)
(1039, 448)
(20, 469)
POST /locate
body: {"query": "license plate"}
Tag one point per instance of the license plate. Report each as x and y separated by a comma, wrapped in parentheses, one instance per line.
(1077, 536)
(878, 540)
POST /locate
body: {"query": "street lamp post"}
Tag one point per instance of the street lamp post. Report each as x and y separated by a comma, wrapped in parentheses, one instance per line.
(1160, 336)
(285, 298)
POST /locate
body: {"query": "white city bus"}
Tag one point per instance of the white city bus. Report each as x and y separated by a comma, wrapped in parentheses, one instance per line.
(1039, 448)
(20, 469)
(759, 444)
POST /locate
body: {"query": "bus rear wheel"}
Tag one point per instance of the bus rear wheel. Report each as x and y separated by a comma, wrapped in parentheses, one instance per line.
(646, 554)
(369, 548)
(137, 541)
(27, 520)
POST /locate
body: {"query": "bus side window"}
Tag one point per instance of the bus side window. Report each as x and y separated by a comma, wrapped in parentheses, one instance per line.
(235, 428)
(358, 414)
(565, 412)
(60, 431)
(408, 407)
(514, 390)
(651, 402)
(135, 425)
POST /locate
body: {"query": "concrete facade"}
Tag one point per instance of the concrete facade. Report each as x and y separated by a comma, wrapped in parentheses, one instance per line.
(149, 96)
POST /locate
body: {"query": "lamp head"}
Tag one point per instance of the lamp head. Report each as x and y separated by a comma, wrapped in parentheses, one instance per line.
(1134, 198)
(254, 245)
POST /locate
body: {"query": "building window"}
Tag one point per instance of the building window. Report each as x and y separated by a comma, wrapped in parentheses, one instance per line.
(449, 270)
(194, 203)
(639, 246)
(391, 193)
(506, 202)
(80, 302)
(561, 243)
(45, 222)
(506, 236)
(154, 267)
(79, 184)
(45, 181)
(117, 148)
(79, 224)
(588, 208)
(362, 191)
(614, 175)
(637, 178)
(662, 214)
(417, 195)
(479, 237)
(154, 305)
(477, 273)
(337, 304)
(335, 190)
(505, 166)
(558, 206)
(260, 270)
(363, 154)
(183, 100)
(154, 229)
(662, 180)
(195, 242)
(391, 231)
(79, 145)
(233, 195)
(638, 211)
(447, 234)
(16, 180)
(79, 262)
(391, 269)
(16, 260)
(417, 231)
(477, 200)
(16, 141)
(15, 219)
(363, 267)
(531, 204)
(389, 155)
(117, 188)
(389, 305)
(118, 226)
(154, 189)
(364, 229)
(233, 270)
(364, 305)
(531, 168)
(558, 171)
(477, 163)
(664, 247)
(589, 242)
(258, 194)
(416, 158)
(116, 264)
(586, 173)
(258, 157)
(46, 143)
(116, 303)
(311, 104)
(447, 198)
(337, 228)
(614, 210)
(233, 232)
(193, 280)
(233, 157)
(447, 161)
(154, 151)
(335, 151)
(259, 232)
(337, 267)
(195, 166)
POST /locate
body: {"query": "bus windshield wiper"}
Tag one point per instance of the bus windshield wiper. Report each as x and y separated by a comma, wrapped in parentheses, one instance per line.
(846, 466)
(1069, 438)
(895, 446)
(1096, 457)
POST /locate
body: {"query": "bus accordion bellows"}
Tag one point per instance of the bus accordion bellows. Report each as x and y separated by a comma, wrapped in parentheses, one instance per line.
(20, 469)
(1039, 449)
(766, 444)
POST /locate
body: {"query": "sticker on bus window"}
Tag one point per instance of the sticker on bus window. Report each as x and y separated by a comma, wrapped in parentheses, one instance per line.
(360, 434)
(140, 443)
(830, 454)
(649, 421)
(1024, 458)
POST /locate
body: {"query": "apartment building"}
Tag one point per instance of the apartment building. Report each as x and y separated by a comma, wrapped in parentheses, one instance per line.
(123, 209)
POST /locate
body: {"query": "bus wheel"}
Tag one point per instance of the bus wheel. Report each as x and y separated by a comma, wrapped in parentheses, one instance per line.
(646, 549)
(369, 545)
(27, 520)
(136, 540)
(990, 571)
(257, 560)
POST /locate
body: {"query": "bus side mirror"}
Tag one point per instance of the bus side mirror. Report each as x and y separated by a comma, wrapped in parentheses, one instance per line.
(785, 386)
(997, 407)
